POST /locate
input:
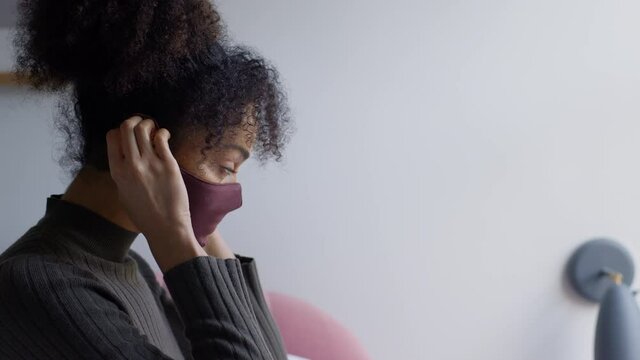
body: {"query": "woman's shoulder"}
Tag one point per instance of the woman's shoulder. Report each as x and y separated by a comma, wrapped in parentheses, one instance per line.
(35, 282)
(35, 272)
(28, 255)
(29, 243)
(36, 261)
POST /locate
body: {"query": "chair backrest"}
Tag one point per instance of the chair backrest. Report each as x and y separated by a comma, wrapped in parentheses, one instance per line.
(312, 333)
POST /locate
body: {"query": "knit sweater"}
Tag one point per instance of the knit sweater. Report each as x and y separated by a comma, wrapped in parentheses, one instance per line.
(71, 288)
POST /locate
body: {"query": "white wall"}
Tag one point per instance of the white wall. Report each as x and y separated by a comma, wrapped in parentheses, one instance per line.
(450, 155)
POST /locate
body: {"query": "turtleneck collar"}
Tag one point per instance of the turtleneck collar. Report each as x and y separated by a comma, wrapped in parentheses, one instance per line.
(93, 232)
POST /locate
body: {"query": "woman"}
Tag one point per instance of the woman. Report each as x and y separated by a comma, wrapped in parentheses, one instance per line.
(164, 113)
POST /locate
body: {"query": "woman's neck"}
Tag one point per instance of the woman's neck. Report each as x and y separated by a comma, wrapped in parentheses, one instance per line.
(96, 191)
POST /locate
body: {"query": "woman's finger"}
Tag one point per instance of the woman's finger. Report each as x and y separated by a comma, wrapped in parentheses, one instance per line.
(161, 141)
(143, 137)
(128, 138)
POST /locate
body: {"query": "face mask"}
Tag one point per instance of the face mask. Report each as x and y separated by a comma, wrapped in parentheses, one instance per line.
(209, 203)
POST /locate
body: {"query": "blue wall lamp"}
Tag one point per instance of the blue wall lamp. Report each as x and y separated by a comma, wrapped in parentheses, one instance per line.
(601, 271)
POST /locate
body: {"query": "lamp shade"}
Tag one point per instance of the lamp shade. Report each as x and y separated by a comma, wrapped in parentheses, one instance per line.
(618, 326)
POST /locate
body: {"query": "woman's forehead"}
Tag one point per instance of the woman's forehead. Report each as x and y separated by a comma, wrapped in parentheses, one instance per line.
(239, 140)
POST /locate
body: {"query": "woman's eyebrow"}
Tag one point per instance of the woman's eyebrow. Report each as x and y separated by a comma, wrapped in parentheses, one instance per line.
(243, 151)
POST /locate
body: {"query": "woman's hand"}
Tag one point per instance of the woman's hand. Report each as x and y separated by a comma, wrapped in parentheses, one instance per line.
(151, 189)
(217, 247)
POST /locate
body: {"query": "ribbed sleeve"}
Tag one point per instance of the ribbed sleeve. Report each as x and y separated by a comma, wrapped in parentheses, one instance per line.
(255, 293)
(211, 297)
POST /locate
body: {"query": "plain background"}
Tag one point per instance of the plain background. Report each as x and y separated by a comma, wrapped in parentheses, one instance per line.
(450, 156)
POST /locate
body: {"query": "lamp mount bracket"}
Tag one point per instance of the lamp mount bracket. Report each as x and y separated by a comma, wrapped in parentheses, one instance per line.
(598, 264)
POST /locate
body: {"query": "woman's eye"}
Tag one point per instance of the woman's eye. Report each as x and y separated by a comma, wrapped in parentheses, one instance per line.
(227, 171)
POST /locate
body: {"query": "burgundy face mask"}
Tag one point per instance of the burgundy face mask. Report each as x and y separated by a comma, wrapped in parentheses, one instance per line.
(209, 203)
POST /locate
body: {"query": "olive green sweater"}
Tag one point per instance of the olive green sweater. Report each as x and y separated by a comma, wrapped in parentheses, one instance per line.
(71, 288)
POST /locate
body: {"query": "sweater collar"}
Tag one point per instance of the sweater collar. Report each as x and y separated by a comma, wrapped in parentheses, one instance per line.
(91, 231)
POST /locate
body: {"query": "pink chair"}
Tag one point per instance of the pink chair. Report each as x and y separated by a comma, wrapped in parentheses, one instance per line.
(309, 332)
(312, 333)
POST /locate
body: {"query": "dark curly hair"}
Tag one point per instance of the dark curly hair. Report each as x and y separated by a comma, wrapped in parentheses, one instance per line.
(168, 59)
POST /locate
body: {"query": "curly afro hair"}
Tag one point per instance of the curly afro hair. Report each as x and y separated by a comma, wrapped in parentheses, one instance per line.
(170, 60)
